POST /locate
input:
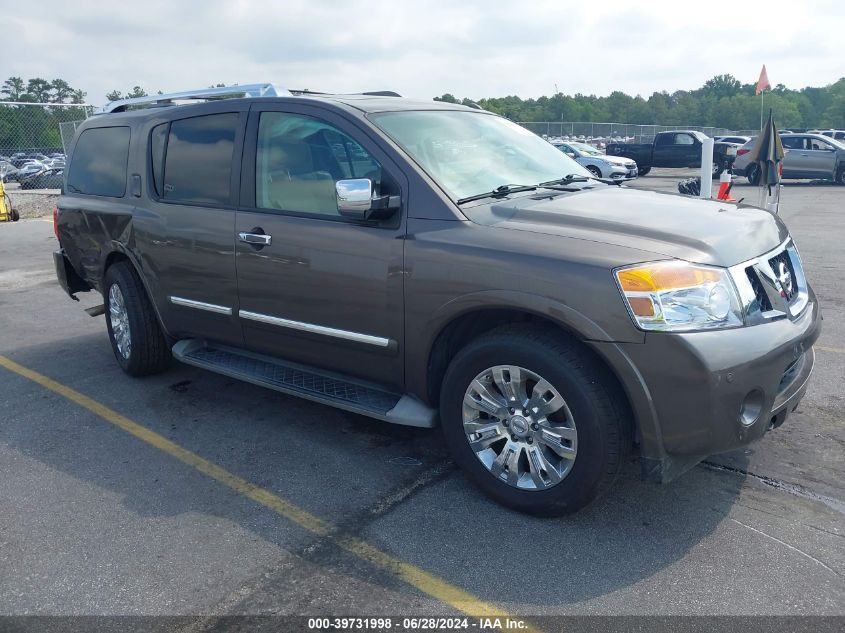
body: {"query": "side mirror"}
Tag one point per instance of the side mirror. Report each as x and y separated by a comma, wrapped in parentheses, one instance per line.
(354, 197)
(355, 200)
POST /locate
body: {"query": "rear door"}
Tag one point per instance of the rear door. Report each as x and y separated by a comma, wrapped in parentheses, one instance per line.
(185, 231)
(323, 290)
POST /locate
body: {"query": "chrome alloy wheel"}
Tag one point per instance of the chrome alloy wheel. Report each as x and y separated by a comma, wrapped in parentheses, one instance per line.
(519, 427)
(119, 321)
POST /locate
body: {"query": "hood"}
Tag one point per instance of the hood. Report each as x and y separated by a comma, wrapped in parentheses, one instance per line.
(669, 225)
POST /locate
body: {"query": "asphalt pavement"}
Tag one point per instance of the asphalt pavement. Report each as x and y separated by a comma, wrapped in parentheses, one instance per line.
(189, 493)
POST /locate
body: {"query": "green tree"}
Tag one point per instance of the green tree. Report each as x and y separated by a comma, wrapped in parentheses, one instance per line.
(38, 89)
(61, 90)
(13, 89)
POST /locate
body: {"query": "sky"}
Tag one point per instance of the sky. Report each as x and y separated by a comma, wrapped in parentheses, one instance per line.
(469, 48)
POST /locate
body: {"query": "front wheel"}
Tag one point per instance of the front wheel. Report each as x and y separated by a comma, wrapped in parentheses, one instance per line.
(138, 343)
(534, 420)
(840, 176)
(642, 171)
(595, 171)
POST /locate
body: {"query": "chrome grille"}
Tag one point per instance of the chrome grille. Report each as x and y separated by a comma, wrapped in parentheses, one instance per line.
(772, 285)
(785, 272)
(759, 292)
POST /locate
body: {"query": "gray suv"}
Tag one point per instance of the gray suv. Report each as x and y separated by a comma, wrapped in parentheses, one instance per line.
(425, 263)
(809, 156)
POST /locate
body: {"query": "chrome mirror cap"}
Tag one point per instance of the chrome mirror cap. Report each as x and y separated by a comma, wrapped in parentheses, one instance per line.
(354, 197)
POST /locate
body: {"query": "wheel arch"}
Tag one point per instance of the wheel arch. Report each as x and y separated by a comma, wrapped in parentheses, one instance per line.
(464, 325)
(116, 253)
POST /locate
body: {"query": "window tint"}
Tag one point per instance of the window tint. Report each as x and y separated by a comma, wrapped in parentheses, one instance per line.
(819, 144)
(665, 139)
(198, 165)
(158, 141)
(300, 158)
(98, 164)
(793, 142)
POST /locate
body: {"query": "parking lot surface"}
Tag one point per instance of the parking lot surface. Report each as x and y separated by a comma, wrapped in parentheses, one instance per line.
(191, 493)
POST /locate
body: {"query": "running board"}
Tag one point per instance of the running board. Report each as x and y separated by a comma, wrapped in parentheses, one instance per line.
(306, 382)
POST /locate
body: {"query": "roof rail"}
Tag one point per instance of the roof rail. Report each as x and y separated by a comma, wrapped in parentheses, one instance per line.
(247, 90)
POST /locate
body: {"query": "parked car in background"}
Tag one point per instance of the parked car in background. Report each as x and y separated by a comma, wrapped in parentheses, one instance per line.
(737, 140)
(27, 170)
(598, 163)
(44, 179)
(807, 155)
(678, 148)
(837, 135)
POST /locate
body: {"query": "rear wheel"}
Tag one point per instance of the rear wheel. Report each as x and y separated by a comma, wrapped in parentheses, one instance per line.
(534, 420)
(840, 176)
(718, 167)
(753, 174)
(136, 337)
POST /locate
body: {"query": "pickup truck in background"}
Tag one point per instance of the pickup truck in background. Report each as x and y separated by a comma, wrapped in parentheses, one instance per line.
(678, 148)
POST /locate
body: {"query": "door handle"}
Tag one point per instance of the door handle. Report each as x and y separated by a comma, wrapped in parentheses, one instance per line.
(256, 239)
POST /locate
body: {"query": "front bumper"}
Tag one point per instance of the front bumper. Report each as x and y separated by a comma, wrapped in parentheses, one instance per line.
(696, 384)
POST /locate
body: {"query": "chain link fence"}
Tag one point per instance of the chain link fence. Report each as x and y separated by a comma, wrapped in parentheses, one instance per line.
(38, 128)
(602, 133)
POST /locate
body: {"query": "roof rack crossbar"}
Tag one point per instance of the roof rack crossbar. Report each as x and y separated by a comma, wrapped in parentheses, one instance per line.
(247, 90)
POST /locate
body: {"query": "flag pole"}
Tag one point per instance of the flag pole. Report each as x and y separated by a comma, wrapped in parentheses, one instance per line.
(762, 92)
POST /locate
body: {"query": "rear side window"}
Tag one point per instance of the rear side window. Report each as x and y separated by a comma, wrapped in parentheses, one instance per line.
(198, 164)
(98, 164)
(158, 140)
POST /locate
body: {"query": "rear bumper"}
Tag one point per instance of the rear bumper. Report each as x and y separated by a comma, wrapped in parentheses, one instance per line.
(703, 393)
(68, 278)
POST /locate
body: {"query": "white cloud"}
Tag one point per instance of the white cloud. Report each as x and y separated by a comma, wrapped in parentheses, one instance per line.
(472, 48)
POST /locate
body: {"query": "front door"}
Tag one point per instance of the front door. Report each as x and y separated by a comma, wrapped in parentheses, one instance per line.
(821, 158)
(318, 288)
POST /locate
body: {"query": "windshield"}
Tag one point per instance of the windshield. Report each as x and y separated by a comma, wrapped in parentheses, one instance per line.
(469, 153)
(587, 149)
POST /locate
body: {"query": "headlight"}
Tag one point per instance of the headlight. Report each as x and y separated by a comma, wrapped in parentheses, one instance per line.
(676, 296)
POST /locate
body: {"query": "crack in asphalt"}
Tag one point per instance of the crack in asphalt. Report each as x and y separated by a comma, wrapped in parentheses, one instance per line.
(799, 491)
(785, 544)
(320, 549)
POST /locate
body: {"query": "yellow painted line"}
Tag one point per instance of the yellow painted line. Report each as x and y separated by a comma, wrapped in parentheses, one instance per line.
(428, 583)
(835, 350)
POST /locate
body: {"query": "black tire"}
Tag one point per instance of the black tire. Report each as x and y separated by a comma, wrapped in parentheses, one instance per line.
(15, 215)
(643, 171)
(598, 409)
(718, 168)
(752, 173)
(149, 352)
(840, 176)
(595, 171)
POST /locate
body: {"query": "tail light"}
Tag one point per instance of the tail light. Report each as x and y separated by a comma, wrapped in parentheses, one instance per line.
(741, 151)
(56, 223)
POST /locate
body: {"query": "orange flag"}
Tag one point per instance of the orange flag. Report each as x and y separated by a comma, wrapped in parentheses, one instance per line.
(763, 82)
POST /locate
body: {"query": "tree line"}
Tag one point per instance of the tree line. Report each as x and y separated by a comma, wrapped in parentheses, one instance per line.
(723, 102)
(33, 128)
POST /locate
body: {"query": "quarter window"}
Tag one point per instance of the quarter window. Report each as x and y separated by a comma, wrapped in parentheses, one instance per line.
(300, 158)
(198, 164)
(98, 163)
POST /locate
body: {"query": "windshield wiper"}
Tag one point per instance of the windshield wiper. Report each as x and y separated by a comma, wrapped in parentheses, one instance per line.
(564, 181)
(501, 190)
